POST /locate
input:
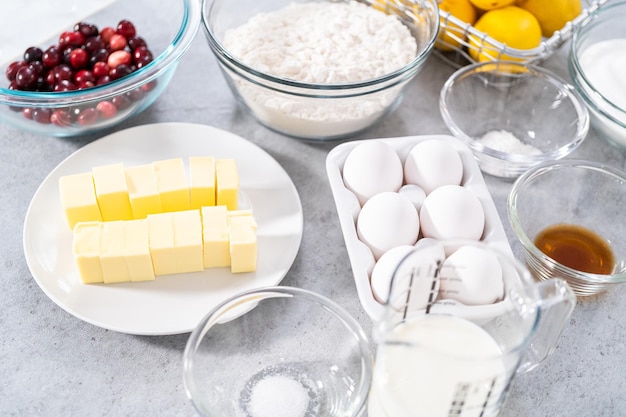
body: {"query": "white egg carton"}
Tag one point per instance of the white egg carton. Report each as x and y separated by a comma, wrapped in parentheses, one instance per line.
(362, 260)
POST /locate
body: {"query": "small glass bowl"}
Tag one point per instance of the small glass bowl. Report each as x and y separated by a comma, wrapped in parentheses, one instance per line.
(608, 111)
(512, 115)
(316, 111)
(278, 351)
(571, 192)
(168, 31)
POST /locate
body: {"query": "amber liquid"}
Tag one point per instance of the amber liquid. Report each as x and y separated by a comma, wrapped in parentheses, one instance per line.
(576, 247)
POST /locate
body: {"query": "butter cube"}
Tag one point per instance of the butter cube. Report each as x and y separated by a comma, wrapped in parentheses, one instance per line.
(201, 181)
(86, 248)
(243, 242)
(215, 237)
(143, 191)
(227, 183)
(78, 198)
(172, 184)
(137, 250)
(112, 247)
(112, 192)
(188, 241)
(161, 243)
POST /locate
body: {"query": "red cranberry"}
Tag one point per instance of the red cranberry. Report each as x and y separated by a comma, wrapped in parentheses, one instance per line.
(61, 118)
(87, 29)
(149, 86)
(64, 85)
(117, 42)
(62, 72)
(71, 39)
(79, 58)
(94, 43)
(84, 76)
(99, 56)
(121, 102)
(106, 34)
(106, 109)
(33, 54)
(87, 116)
(42, 115)
(142, 56)
(37, 67)
(13, 68)
(103, 80)
(27, 112)
(136, 94)
(51, 57)
(26, 78)
(100, 69)
(126, 29)
(120, 71)
(135, 42)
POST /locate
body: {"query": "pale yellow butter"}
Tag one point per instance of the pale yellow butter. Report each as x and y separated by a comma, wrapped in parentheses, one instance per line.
(143, 191)
(243, 241)
(172, 184)
(86, 248)
(215, 237)
(112, 192)
(201, 181)
(188, 241)
(112, 256)
(137, 250)
(78, 198)
(227, 183)
(161, 243)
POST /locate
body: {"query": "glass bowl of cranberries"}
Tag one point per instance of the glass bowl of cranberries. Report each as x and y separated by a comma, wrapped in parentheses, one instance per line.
(102, 70)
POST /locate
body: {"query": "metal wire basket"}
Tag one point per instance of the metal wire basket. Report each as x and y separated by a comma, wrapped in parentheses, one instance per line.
(458, 54)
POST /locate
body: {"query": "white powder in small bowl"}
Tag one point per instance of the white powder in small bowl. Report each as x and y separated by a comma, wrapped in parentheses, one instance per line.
(321, 43)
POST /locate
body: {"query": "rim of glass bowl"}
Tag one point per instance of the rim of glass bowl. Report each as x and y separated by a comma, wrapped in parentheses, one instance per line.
(214, 315)
(567, 89)
(524, 181)
(590, 95)
(406, 70)
(164, 61)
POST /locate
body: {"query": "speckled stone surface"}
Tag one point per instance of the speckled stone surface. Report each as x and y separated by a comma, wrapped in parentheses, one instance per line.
(53, 364)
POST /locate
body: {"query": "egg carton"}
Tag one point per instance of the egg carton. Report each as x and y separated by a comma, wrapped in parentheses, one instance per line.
(361, 257)
(460, 32)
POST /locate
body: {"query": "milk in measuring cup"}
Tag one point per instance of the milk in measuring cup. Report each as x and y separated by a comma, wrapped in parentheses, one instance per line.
(438, 366)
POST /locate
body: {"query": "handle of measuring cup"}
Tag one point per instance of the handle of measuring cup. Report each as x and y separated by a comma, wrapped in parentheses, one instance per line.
(556, 304)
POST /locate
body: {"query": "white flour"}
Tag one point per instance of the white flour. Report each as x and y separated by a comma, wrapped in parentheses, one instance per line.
(321, 43)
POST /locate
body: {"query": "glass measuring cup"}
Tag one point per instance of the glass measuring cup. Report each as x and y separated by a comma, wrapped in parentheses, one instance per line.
(439, 357)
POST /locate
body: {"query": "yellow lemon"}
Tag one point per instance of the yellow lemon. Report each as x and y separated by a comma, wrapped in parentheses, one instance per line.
(492, 4)
(451, 34)
(552, 15)
(511, 25)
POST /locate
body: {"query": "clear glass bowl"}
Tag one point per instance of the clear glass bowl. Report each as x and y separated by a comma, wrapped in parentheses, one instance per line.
(528, 102)
(608, 116)
(278, 351)
(316, 111)
(573, 192)
(168, 31)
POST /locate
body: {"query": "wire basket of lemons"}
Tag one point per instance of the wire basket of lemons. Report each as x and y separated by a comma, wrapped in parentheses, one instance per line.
(519, 30)
(471, 31)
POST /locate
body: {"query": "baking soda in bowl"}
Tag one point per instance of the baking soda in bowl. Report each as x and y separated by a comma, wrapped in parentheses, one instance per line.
(321, 44)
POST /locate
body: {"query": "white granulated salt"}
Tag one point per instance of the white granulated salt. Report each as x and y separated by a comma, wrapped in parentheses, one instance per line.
(321, 43)
(278, 396)
(505, 141)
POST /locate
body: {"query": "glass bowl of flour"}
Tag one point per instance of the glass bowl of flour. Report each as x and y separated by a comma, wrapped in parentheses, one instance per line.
(513, 116)
(320, 69)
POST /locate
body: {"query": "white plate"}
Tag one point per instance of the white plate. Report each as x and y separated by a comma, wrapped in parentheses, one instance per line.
(172, 303)
(348, 208)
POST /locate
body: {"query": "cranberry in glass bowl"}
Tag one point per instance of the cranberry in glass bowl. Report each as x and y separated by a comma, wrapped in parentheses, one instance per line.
(98, 72)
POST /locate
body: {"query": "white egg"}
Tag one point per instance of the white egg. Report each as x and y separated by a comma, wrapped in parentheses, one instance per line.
(415, 281)
(372, 167)
(433, 163)
(472, 276)
(387, 220)
(452, 212)
(414, 193)
(382, 273)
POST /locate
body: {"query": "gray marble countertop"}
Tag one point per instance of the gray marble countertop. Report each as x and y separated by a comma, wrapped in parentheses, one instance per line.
(53, 364)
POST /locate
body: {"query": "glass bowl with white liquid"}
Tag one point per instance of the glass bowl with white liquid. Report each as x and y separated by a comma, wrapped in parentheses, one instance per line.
(596, 65)
(320, 70)
(278, 352)
(513, 116)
